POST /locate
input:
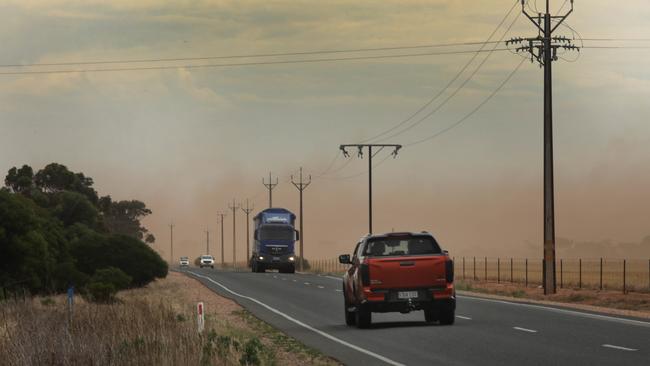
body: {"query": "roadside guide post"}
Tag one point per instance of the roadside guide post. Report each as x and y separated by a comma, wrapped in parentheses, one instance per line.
(200, 317)
(70, 305)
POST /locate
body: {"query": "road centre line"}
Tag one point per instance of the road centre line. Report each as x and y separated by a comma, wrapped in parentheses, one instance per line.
(525, 329)
(304, 325)
(564, 311)
(463, 317)
(620, 348)
(307, 283)
(321, 286)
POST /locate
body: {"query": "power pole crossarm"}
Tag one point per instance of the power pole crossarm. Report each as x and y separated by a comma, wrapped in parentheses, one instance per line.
(360, 147)
(270, 185)
(301, 186)
(543, 49)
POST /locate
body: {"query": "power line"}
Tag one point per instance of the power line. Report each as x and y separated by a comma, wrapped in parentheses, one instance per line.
(473, 111)
(258, 63)
(455, 92)
(258, 55)
(453, 80)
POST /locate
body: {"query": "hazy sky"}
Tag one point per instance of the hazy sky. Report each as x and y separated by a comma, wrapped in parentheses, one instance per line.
(187, 141)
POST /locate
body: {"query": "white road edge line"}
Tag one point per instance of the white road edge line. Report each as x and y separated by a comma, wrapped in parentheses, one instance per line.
(463, 317)
(525, 329)
(306, 326)
(564, 311)
(620, 348)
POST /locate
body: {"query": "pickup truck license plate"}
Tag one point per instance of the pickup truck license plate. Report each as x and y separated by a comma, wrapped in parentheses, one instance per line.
(407, 294)
(276, 259)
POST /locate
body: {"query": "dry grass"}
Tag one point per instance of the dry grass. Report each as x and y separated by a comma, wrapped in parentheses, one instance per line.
(150, 326)
(614, 302)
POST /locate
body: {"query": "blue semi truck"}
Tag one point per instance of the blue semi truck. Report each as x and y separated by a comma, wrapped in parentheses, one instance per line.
(275, 235)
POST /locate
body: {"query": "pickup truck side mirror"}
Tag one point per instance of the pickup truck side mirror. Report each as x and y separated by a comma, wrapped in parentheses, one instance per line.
(345, 259)
(446, 252)
(297, 234)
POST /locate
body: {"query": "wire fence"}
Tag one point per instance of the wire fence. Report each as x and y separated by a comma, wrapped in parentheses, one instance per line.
(600, 274)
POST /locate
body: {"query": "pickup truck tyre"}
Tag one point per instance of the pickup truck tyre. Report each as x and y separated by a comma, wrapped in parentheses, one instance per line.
(350, 316)
(363, 317)
(212, 267)
(430, 315)
(447, 313)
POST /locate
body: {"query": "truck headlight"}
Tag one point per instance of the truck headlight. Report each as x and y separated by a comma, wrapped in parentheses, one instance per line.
(291, 259)
(261, 258)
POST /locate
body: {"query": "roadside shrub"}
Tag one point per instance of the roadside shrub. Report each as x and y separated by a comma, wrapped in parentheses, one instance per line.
(113, 276)
(101, 292)
(130, 255)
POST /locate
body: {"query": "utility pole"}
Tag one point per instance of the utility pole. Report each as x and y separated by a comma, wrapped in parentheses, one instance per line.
(544, 50)
(207, 241)
(247, 210)
(370, 156)
(270, 185)
(171, 244)
(301, 186)
(234, 209)
(221, 216)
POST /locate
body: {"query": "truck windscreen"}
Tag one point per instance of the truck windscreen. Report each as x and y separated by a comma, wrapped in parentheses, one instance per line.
(383, 247)
(276, 232)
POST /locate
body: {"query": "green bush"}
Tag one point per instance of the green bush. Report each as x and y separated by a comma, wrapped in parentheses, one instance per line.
(113, 276)
(101, 292)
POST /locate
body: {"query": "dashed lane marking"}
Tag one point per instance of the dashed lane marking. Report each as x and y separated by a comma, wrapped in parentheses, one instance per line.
(463, 317)
(525, 329)
(620, 348)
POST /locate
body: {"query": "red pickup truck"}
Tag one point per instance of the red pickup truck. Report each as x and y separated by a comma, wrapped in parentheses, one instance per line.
(398, 272)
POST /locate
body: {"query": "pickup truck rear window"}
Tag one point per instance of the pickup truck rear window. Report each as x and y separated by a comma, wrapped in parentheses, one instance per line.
(384, 247)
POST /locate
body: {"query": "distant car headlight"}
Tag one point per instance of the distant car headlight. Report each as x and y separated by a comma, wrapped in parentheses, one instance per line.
(291, 259)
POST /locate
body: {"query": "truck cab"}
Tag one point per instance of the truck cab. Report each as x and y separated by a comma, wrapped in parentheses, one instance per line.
(398, 272)
(275, 236)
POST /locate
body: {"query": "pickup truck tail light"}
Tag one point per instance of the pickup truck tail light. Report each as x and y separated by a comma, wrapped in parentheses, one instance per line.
(365, 274)
(449, 270)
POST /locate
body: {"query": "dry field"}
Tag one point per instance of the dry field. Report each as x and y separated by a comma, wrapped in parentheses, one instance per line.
(155, 325)
(635, 304)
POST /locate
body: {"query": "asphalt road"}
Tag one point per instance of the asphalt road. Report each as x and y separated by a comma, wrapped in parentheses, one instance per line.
(487, 332)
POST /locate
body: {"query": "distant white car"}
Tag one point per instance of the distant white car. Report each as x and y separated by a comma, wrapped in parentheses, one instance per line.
(184, 262)
(206, 261)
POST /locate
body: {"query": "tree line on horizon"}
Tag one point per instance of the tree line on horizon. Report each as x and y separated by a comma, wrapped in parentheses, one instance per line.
(56, 231)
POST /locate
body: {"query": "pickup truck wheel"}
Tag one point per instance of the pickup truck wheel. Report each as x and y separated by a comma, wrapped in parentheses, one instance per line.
(363, 316)
(350, 316)
(429, 315)
(447, 314)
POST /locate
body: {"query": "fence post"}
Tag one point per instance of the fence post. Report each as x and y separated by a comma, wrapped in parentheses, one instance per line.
(463, 267)
(601, 274)
(486, 278)
(561, 274)
(511, 280)
(580, 273)
(474, 268)
(624, 289)
(498, 269)
(526, 272)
